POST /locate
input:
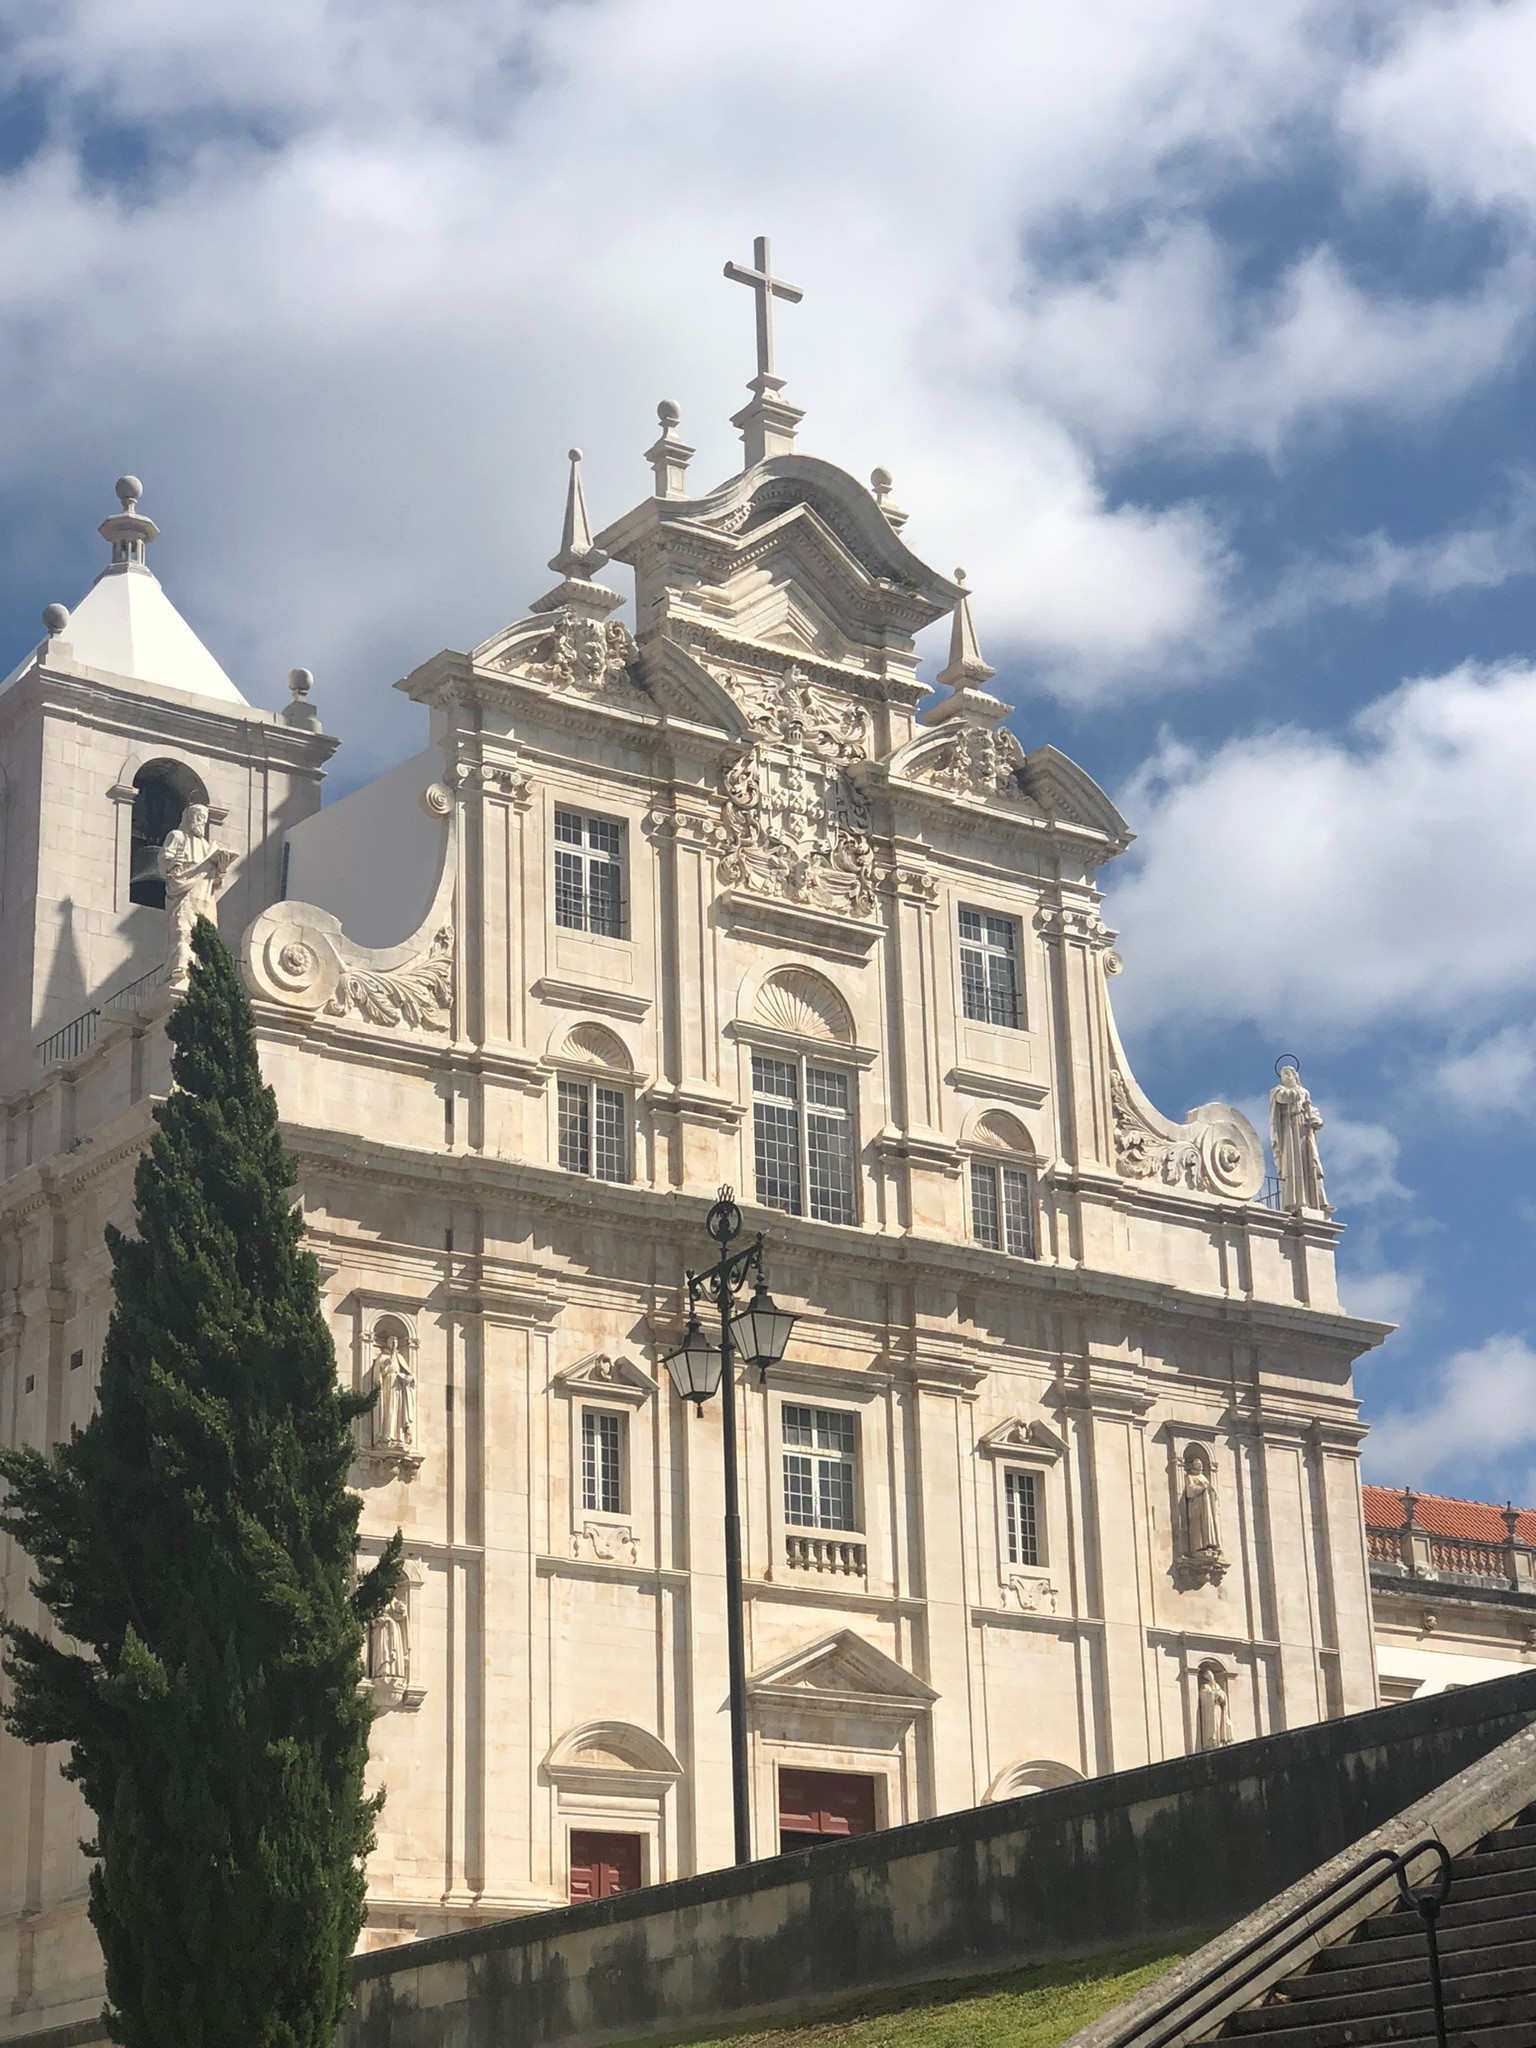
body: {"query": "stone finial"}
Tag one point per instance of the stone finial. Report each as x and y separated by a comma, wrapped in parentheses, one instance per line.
(768, 423)
(669, 456)
(1410, 1507)
(578, 560)
(55, 619)
(298, 710)
(880, 482)
(966, 670)
(128, 532)
(577, 556)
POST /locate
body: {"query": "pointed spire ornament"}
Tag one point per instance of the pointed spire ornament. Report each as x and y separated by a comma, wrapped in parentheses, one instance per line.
(965, 675)
(966, 669)
(578, 559)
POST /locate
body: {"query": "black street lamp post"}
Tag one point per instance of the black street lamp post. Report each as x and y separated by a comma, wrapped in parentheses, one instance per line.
(699, 1367)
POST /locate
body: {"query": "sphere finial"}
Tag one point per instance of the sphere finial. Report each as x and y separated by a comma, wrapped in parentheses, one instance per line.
(668, 414)
(300, 682)
(129, 491)
(55, 618)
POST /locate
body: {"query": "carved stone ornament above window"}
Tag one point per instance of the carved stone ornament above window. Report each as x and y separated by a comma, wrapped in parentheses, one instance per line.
(794, 826)
(975, 760)
(795, 713)
(594, 657)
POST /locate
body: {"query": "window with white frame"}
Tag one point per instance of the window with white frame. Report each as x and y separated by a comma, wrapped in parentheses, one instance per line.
(589, 873)
(989, 968)
(1024, 1515)
(593, 1131)
(1002, 1209)
(819, 1452)
(803, 1138)
(602, 1461)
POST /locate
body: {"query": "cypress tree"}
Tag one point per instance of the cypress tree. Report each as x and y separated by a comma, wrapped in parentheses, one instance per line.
(196, 1547)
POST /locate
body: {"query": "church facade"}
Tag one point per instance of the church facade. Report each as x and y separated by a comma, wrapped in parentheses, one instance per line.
(1060, 1473)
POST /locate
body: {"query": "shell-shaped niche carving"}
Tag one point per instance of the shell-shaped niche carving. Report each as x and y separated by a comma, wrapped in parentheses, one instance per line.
(804, 1004)
(596, 1046)
(997, 1131)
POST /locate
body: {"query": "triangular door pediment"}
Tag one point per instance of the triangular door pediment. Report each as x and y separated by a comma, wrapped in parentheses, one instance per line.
(607, 1378)
(838, 1671)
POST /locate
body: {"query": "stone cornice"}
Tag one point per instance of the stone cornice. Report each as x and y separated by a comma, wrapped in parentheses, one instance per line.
(232, 732)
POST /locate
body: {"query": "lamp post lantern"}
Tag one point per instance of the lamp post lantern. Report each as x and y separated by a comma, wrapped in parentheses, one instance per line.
(699, 1367)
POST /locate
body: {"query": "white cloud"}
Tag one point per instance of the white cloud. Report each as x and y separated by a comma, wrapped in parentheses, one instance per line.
(1494, 1076)
(1449, 107)
(1386, 1294)
(1362, 1161)
(1478, 1419)
(1321, 884)
(384, 263)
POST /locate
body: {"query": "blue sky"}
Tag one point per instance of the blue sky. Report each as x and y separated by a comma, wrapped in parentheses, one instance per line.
(1202, 336)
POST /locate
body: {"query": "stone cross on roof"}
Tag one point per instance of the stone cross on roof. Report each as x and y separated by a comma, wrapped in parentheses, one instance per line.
(767, 288)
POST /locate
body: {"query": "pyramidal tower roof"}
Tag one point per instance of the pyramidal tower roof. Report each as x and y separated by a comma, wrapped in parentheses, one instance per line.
(125, 625)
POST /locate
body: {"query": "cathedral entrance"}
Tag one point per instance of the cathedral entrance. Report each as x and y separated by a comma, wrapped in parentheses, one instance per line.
(823, 1806)
(604, 1864)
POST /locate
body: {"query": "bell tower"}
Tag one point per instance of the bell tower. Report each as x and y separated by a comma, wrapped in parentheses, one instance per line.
(115, 721)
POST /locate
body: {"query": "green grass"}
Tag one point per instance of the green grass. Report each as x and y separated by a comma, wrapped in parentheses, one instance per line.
(1037, 2008)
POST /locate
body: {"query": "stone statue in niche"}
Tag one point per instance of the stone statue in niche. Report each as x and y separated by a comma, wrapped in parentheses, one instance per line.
(395, 1416)
(193, 866)
(1213, 1709)
(1200, 1559)
(388, 1662)
(1294, 1123)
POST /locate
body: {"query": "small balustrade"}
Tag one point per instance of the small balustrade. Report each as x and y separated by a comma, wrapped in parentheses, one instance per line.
(839, 1555)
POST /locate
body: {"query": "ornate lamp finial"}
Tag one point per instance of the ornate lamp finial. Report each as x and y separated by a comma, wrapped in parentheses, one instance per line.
(669, 456)
(128, 532)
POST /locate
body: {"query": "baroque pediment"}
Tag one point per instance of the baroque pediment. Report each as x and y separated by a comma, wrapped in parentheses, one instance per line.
(606, 1378)
(1035, 1438)
(842, 1670)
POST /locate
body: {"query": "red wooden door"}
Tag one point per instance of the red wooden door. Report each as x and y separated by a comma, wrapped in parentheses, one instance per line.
(604, 1864)
(823, 1806)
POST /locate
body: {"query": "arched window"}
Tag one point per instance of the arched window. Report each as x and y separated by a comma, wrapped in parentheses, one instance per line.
(162, 791)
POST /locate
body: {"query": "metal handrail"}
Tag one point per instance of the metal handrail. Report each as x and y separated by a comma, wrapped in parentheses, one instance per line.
(1170, 2019)
(70, 1040)
(129, 997)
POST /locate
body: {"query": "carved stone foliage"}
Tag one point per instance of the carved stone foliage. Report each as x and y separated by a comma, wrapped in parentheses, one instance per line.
(592, 656)
(792, 824)
(419, 994)
(606, 1542)
(975, 760)
(1033, 1596)
(796, 713)
(1213, 1152)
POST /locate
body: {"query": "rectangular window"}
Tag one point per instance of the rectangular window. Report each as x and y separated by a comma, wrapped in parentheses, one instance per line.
(818, 1468)
(803, 1139)
(989, 968)
(589, 874)
(1023, 1503)
(1002, 1209)
(602, 1461)
(593, 1133)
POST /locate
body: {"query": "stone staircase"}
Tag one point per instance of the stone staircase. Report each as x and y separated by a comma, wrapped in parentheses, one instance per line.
(1375, 1986)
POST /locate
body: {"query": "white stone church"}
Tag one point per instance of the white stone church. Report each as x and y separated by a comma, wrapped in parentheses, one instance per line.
(1060, 1473)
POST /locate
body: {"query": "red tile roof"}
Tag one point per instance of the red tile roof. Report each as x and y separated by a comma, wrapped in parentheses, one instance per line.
(1475, 1520)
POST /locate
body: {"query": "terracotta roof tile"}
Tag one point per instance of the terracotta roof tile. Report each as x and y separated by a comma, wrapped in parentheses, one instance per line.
(1475, 1520)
